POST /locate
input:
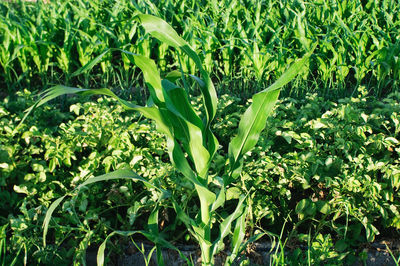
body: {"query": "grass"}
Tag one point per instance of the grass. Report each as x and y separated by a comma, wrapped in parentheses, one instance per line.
(240, 42)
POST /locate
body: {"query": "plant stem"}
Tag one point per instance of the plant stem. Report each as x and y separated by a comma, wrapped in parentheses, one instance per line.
(206, 251)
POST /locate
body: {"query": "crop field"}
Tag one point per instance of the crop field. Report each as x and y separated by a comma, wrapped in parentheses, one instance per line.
(219, 125)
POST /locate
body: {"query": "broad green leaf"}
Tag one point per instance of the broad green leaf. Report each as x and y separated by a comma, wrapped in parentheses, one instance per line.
(179, 103)
(161, 30)
(147, 65)
(191, 138)
(220, 199)
(211, 140)
(188, 127)
(206, 198)
(151, 76)
(180, 162)
(200, 235)
(173, 76)
(200, 155)
(301, 206)
(152, 222)
(160, 259)
(254, 119)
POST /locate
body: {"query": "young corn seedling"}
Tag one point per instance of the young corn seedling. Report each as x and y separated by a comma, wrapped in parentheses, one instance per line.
(191, 144)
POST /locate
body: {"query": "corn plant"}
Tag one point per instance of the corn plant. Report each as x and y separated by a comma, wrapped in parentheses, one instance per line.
(190, 141)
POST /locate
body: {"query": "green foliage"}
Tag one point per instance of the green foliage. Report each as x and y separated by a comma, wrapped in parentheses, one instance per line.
(190, 141)
(104, 138)
(330, 165)
(41, 163)
(244, 45)
(325, 160)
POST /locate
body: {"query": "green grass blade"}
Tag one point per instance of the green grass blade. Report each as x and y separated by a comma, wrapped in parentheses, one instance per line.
(91, 64)
(3, 243)
(47, 218)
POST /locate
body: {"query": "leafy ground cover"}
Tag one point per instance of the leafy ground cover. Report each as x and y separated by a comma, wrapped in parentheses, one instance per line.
(323, 180)
(329, 171)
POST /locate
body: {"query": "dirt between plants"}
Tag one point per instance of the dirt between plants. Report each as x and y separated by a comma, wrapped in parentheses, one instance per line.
(257, 254)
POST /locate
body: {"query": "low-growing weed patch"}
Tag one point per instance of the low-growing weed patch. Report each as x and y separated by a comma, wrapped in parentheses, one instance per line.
(40, 163)
(278, 186)
(324, 175)
(331, 164)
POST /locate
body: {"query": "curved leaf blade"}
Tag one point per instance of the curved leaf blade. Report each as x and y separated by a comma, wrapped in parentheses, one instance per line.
(47, 218)
(225, 226)
(91, 63)
(254, 119)
(100, 251)
(161, 30)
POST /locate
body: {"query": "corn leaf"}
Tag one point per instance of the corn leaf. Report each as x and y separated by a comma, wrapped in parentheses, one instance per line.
(120, 174)
(151, 76)
(91, 64)
(225, 226)
(102, 248)
(161, 30)
(238, 236)
(47, 218)
(211, 140)
(254, 119)
(220, 200)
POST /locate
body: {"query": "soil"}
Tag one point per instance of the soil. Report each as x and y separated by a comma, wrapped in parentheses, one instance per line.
(258, 254)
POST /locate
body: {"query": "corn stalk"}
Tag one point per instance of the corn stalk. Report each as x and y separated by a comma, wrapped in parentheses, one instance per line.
(190, 141)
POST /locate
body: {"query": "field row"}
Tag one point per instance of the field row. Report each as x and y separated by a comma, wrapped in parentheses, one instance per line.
(245, 44)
